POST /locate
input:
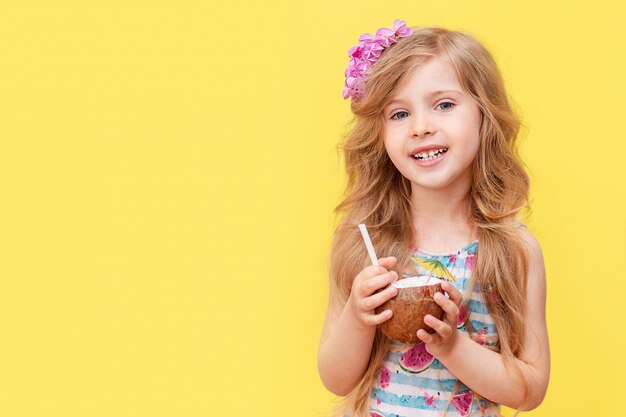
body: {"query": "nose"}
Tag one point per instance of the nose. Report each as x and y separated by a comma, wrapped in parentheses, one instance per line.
(422, 127)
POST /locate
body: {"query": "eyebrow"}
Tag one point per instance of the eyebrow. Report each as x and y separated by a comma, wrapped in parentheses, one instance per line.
(432, 93)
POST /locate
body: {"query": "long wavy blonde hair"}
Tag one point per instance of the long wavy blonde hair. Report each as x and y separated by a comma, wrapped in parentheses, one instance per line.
(379, 196)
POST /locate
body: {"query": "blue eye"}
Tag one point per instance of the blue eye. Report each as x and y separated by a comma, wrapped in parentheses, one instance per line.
(446, 102)
(400, 112)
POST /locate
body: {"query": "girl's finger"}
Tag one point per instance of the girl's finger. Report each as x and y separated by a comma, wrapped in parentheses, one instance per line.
(379, 281)
(443, 329)
(453, 292)
(425, 337)
(369, 280)
(379, 298)
(388, 262)
(448, 306)
(376, 319)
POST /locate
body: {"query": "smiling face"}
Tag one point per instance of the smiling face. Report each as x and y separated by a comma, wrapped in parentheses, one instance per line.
(431, 128)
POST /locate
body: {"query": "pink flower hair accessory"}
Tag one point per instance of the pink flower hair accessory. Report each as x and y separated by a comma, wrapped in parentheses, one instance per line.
(366, 53)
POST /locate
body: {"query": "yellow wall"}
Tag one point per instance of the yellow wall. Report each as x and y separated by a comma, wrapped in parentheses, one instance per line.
(168, 174)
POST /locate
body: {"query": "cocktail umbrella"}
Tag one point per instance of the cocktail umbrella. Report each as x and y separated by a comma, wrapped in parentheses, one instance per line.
(436, 267)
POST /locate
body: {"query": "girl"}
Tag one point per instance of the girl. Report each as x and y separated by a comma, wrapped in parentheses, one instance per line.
(434, 173)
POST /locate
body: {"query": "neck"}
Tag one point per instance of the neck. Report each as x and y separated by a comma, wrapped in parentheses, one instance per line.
(442, 213)
(433, 207)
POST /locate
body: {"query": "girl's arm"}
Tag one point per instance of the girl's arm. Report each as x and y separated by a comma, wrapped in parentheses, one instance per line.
(349, 330)
(344, 349)
(483, 370)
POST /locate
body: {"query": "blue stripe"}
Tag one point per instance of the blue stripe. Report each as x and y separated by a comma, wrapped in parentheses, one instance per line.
(478, 325)
(417, 381)
(413, 401)
(478, 307)
(409, 401)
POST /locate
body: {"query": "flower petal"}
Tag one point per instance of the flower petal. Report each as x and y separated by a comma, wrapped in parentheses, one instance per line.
(386, 32)
(366, 37)
(351, 81)
(355, 51)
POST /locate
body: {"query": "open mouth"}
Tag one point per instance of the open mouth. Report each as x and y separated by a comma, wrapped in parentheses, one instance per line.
(427, 156)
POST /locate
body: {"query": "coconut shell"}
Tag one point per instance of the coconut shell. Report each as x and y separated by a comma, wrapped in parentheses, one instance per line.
(409, 307)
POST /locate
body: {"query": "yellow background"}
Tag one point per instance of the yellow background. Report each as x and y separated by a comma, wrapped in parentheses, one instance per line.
(167, 180)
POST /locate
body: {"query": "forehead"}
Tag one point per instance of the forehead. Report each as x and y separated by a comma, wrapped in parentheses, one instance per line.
(434, 76)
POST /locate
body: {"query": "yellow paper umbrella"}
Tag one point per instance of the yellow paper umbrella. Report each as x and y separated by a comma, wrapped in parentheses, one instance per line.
(436, 267)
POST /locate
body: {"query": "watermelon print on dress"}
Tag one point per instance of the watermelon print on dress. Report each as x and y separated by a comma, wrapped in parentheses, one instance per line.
(463, 403)
(374, 413)
(470, 260)
(431, 400)
(416, 359)
(384, 377)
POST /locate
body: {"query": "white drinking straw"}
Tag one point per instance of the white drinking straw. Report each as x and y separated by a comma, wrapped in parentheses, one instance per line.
(368, 244)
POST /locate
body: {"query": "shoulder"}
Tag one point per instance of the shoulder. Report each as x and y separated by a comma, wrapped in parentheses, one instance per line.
(530, 241)
(536, 268)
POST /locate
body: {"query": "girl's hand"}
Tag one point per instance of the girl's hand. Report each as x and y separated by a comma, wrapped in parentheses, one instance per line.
(441, 343)
(364, 297)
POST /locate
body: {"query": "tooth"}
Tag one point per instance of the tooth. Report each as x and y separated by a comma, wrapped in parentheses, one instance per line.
(424, 155)
(431, 153)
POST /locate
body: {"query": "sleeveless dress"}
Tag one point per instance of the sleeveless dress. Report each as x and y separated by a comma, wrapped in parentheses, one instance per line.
(411, 382)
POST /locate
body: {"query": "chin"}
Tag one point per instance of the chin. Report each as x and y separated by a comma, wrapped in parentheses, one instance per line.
(432, 185)
(439, 181)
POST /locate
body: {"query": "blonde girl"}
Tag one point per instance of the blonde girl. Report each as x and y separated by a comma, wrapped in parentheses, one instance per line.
(433, 172)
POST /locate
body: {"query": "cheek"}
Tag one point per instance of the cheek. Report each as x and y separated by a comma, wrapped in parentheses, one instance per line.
(470, 137)
(474, 142)
(390, 148)
(395, 154)
(470, 151)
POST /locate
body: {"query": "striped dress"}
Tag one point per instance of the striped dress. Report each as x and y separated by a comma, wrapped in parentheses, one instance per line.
(405, 391)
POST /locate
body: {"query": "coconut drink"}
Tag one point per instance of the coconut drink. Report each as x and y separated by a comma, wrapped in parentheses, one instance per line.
(411, 304)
